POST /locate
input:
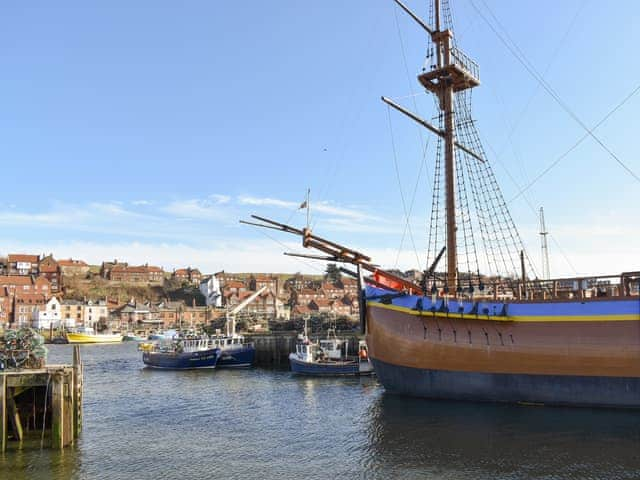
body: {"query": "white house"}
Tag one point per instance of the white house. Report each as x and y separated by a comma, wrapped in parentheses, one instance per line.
(48, 315)
(210, 288)
(93, 312)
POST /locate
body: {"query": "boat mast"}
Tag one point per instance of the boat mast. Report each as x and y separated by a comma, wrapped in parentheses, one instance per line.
(453, 72)
(443, 48)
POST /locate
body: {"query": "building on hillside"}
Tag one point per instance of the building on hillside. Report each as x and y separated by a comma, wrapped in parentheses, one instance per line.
(332, 290)
(169, 313)
(259, 281)
(194, 317)
(94, 312)
(25, 307)
(320, 305)
(72, 313)
(48, 315)
(188, 275)
(21, 264)
(349, 285)
(299, 282)
(49, 268)
(304, 296)
(210, 288)
(106, 267)
(73, 268)
(25, 284)
(344, 307)
(6, 307)
(136, 316)
(140, 274)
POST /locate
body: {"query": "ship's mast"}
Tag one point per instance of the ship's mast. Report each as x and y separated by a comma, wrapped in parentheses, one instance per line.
(453, 73)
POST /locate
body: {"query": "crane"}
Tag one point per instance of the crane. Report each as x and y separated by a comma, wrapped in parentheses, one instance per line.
(231, 314)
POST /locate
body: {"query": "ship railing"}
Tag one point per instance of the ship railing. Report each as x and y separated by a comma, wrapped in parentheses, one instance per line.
(461, 60)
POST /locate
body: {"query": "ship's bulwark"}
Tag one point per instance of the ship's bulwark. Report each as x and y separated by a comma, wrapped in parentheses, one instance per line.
(578, 359)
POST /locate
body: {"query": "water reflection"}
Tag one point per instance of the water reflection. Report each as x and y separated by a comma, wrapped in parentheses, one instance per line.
(409, 438)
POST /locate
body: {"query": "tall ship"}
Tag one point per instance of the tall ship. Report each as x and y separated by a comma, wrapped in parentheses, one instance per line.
(481, 324)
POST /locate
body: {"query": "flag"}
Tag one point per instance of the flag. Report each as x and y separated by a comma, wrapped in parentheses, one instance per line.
(303, 205)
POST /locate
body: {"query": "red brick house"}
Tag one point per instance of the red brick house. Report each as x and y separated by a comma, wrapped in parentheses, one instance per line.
(141, 274)
(21, 264)
(50, 269)
(191, 275)
(73, 268)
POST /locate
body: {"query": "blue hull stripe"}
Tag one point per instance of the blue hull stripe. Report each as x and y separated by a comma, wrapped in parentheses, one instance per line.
(621, 392)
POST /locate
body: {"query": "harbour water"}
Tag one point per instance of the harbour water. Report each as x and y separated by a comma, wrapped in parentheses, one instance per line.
(264, 424)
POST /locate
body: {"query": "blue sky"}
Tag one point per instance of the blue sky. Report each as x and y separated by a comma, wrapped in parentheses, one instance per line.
(145, 130)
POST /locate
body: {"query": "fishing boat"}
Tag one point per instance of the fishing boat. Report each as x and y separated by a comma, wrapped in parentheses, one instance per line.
(328, 357)
(88, 335)
(482, 325)
(132, 337)
(180, 354)
(235, 351)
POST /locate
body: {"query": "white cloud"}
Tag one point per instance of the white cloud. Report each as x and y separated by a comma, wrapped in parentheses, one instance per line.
(200, 209)
(143, 203)
(220, 199)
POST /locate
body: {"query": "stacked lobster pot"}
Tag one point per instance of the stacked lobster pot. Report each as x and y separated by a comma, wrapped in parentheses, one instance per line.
(23, 348)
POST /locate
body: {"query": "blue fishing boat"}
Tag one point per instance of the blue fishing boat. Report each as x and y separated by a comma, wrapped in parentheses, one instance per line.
(180, 354)
(329, 357)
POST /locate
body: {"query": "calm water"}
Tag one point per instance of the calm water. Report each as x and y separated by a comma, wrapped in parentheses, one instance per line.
(264, 424)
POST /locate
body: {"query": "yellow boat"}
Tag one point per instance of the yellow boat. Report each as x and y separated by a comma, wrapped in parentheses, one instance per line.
(89, 336)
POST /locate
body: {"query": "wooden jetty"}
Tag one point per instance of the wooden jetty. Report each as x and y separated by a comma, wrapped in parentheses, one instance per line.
(42, 400)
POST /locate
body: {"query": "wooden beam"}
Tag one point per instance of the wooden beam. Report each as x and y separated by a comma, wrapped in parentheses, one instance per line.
(418, 20)
(3, 412)
(77, 391)
(14, 417)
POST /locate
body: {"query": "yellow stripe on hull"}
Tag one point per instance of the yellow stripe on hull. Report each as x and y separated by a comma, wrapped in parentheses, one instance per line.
(85, 338)
(496, 318)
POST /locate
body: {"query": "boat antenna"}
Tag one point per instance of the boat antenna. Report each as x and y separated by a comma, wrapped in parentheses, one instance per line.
(546, 271)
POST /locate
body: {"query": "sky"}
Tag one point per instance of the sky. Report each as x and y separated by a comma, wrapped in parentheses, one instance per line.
(144, 131)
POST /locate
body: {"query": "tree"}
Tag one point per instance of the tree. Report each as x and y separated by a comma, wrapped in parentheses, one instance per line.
(333, 273)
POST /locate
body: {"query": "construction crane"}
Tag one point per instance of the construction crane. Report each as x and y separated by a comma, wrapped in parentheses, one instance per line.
(546, 273)
(231, 314)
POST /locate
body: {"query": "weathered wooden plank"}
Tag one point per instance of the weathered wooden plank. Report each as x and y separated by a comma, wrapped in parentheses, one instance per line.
(27, 379)
(67, 431)
(78, 375)
(57, 411)
(3, 413)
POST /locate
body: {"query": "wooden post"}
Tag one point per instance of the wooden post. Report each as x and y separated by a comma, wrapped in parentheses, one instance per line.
(3, 413)
(77, 391)
(14, 416)
(57, 410)
(68, 410)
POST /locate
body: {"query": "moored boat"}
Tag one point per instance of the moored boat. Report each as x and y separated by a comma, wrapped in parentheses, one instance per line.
(328, 357)
(180, 354)
(88, 335)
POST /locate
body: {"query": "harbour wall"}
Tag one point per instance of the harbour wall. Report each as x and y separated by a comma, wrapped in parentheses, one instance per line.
(273, 349)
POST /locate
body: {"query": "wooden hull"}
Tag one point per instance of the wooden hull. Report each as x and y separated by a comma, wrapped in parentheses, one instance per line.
(98, 338)
(584, 359)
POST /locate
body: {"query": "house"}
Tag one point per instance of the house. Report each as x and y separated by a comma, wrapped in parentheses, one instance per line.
(259, 281)
(73, 268)
(349, 285)
(140, 274)
(189, 275)
(25, 306)
(47, 315)
(320, 305)
(106, 267)
(332, 290)
(210, 288)
(136, 315)
(169, 313)
(49, 268)
(72, 313)
(95, 311)
(301, 311)
(304, 296)
(344, 307)
(21, 264)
